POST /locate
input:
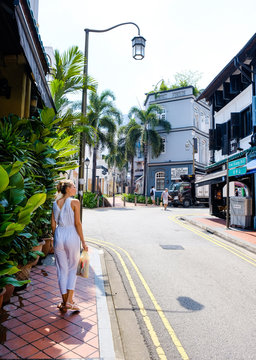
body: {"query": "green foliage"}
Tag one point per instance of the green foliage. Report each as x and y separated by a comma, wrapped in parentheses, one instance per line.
(90, 200)
(141, 199)
(16, 212)
(103, 117)
(187, 78)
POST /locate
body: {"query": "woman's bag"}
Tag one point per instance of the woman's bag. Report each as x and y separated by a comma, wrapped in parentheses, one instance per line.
(83, 265)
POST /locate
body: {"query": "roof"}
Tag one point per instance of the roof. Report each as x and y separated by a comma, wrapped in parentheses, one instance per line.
(35, 33)
(246, 52)
(233, 157)
(166, 91)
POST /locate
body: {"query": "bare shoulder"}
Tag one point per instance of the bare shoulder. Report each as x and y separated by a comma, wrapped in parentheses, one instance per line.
(75, 203)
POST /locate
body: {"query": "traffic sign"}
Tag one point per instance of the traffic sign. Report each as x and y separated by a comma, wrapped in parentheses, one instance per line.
(237, 171)
(236, 163)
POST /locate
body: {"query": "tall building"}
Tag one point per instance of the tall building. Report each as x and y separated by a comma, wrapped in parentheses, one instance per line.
(185, 148)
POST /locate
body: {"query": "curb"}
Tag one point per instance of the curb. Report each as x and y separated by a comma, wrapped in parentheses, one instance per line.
(221, 235)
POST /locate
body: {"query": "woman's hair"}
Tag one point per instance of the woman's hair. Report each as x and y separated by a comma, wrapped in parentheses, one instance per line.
(63, 185)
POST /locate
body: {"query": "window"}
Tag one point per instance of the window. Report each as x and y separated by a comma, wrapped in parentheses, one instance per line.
(160, 180)
(196, 119)
(204, 152)
(245, 123)
(162, 115)
(163, 145)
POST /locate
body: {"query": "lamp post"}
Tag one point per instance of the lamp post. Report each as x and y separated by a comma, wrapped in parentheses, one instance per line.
(194, 148)
(86, 162)
(138, 53)
(114, 175)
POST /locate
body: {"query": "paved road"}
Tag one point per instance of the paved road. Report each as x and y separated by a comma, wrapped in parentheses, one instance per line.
(194, 294)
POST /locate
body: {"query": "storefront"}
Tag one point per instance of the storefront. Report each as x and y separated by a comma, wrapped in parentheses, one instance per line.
(241, 180)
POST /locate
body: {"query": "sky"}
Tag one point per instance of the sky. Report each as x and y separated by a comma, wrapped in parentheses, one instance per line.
(182, 35)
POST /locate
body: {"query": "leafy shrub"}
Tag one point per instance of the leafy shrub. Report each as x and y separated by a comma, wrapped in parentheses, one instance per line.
(140, 198)
(90, 200)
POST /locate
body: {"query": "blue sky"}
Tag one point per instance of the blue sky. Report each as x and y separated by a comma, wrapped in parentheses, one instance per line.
(199, 35)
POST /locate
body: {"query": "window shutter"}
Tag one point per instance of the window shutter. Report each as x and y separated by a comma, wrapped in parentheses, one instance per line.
(218, 136)
(254, 110)
(235, 84)
(235, 122)
(218, 99)
(225, 148)
(212, 139)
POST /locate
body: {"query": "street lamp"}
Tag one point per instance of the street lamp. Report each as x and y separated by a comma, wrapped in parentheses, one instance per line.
(138, 51)
(87, 162)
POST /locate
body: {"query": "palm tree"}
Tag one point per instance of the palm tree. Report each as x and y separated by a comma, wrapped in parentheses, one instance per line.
(103, 117)
(149, 120)
(127, 141)
(68, 79)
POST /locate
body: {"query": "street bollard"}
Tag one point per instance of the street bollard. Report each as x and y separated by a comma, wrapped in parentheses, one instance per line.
(103, 201)
(113, 200)
(135, 200)
(98, 202)
(157, 201)
(146, 201)
(124, 201)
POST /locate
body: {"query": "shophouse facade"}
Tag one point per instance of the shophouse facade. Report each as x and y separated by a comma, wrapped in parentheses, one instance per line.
(232, 97)
(23, 61)
(185, 148)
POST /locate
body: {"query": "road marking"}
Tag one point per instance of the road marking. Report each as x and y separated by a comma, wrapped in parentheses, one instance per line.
(227, 247)
(160, 312)
(143, 311)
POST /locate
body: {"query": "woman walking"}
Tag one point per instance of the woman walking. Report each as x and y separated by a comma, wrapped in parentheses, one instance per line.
(67, 231)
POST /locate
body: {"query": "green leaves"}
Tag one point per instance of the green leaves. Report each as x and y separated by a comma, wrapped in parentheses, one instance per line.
(4, 179)
(10, 280)
(33, 203)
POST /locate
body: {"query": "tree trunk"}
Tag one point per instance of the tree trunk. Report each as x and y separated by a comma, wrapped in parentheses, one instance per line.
(132, 175)
(145, 170)
(94, 168)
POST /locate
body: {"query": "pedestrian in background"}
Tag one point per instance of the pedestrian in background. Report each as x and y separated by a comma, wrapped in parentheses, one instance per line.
(67, 232)
(153, 195)
(164, 197)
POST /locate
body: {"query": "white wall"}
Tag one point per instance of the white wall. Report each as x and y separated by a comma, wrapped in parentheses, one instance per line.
(239, 103)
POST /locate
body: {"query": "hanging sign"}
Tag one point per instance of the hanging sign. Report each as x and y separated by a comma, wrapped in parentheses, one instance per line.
(236, 163)
(237, 171)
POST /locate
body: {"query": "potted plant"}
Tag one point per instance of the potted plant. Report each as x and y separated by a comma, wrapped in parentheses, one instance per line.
(7, 281)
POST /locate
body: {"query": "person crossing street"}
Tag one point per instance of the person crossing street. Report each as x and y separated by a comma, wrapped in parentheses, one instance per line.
(164, 198)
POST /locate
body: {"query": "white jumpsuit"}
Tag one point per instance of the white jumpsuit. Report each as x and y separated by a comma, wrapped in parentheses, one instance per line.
(66, 246)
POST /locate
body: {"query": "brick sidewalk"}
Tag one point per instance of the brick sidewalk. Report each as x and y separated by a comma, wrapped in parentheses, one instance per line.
(242, 237)
(33, 327)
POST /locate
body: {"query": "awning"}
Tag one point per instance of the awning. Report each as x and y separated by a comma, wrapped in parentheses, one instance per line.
(33, 60)
(213, 178)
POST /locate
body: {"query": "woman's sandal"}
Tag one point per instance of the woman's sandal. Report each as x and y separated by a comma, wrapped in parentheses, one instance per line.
(62, 307)
(73, 307)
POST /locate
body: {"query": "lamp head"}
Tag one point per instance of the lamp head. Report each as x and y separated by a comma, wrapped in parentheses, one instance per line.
(138, 47)
(86, 162)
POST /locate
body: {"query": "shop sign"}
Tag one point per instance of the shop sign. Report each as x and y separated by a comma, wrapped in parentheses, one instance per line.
(237, 171)
(236, 163)
(177, 172)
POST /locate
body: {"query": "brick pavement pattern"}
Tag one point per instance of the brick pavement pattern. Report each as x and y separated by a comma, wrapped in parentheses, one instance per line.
(32, 327)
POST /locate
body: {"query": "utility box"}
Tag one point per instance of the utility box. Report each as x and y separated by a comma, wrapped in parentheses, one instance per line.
(241, 211)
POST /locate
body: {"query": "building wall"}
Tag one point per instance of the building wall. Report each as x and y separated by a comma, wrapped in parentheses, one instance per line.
(15, 72)
(188, 119)
(239, 103)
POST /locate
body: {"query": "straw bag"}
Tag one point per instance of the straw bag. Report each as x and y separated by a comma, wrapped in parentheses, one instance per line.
(83, 265)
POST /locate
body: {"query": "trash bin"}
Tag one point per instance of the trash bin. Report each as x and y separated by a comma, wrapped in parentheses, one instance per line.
(241, 211)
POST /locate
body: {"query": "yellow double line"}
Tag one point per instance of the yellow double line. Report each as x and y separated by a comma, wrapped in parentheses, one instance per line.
(152, 333)
(230, 248)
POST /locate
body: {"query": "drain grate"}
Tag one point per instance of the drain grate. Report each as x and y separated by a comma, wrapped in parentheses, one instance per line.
(172, 247)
